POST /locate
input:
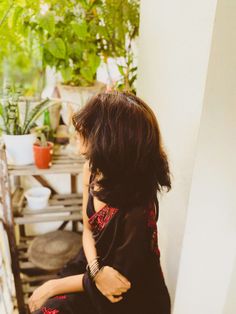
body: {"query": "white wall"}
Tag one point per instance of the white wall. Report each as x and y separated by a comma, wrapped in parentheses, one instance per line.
(196, 109)
(209, 247)
(175, 39)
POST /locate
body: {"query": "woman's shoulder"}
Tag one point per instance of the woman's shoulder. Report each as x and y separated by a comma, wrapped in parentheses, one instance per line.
(86, 166)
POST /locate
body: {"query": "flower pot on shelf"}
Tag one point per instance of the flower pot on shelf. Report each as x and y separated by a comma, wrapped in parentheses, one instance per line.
(73, 98)
(37, 197)
(19, 149)
(76, 97)
(43, 155)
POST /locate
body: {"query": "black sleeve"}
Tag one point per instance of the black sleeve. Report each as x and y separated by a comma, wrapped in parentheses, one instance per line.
(128, 256)
(133, 245)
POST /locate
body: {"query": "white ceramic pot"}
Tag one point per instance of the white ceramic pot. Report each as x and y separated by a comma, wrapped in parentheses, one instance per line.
(19, 149)
(75, 97)
(37, 197)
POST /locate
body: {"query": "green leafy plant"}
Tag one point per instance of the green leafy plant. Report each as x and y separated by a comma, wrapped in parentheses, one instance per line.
(69, 39)
(12, 122)
(20, 51)
(73, 36)
(118, 30)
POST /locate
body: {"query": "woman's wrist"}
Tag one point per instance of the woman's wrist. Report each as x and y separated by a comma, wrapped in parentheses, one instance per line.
(98, 274)
(94, 267)
(52, 285)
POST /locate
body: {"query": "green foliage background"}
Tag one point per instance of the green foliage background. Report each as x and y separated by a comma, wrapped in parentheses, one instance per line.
(74, 36)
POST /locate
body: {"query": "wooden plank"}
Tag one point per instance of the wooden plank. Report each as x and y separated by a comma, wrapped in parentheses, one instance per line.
(27, 265)
(70, 195)
(23, 255)
(53, 209)
(18, 200)
(27, 238)
(65, 202)
(78, 158)
(22, 246)
(29, 289)
(35, 219)
(55, 169)
(60, 164)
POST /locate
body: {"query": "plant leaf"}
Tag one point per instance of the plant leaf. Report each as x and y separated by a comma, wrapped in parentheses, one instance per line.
(93, 62)
(121, 69)
(66, 74)
(27, 107)
(88, 74)
(34, 114)
(56, 47)
(21, 3)
(80, 29)
(47, 22)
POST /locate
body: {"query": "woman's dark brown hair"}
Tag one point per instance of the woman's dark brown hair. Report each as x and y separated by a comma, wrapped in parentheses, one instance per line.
(124, 145)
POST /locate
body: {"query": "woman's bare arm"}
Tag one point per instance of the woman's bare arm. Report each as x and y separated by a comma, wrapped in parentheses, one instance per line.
(88, 240)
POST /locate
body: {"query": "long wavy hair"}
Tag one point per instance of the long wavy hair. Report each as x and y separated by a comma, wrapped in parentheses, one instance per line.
(124, 148)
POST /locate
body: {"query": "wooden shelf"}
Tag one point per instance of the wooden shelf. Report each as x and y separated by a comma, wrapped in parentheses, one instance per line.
(29, 219)
(61, 208)
(60, 164)
(64, 207)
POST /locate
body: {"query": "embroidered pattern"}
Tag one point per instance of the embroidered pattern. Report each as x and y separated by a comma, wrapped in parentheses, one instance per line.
(99, 219)
(60, 297)
(151, 222)
(49, 311)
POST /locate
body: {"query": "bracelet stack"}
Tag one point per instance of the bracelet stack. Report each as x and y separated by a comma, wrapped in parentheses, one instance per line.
(93, 268)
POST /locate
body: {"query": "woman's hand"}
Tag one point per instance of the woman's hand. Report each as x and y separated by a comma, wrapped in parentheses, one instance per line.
(40, 296)
(111, 283)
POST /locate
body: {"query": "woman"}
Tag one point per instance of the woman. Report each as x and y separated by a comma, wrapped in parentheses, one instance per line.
(118, 269)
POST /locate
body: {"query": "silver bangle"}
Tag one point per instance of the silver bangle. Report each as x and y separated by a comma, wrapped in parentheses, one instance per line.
(93, 268)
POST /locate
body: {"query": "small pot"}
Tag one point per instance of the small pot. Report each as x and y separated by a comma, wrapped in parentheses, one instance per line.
(37, 197)
(43, 155)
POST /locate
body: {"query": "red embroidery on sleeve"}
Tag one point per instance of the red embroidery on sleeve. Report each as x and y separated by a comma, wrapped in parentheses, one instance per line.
(152, 224)
(99, 219)
(60, 297)
(49, 311)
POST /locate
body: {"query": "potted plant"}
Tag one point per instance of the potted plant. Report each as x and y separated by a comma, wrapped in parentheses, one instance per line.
(43, 149)
(69, 44)
(17, 118)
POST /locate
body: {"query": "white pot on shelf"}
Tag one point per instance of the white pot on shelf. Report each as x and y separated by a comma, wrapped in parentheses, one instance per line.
(19, 149)
(75, 97)
(37, 197)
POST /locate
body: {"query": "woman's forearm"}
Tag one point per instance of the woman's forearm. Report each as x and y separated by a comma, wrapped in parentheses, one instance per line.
(89, 245)
(67, 284)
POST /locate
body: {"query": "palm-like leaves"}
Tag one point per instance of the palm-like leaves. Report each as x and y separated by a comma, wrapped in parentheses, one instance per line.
(9, 112)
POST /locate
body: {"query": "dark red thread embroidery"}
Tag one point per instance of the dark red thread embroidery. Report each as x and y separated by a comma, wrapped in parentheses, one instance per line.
(152, 224)
(49, 311)
(60, 297)
(99, 219)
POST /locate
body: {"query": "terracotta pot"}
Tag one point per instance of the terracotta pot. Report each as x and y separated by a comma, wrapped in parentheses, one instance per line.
(43, 155)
